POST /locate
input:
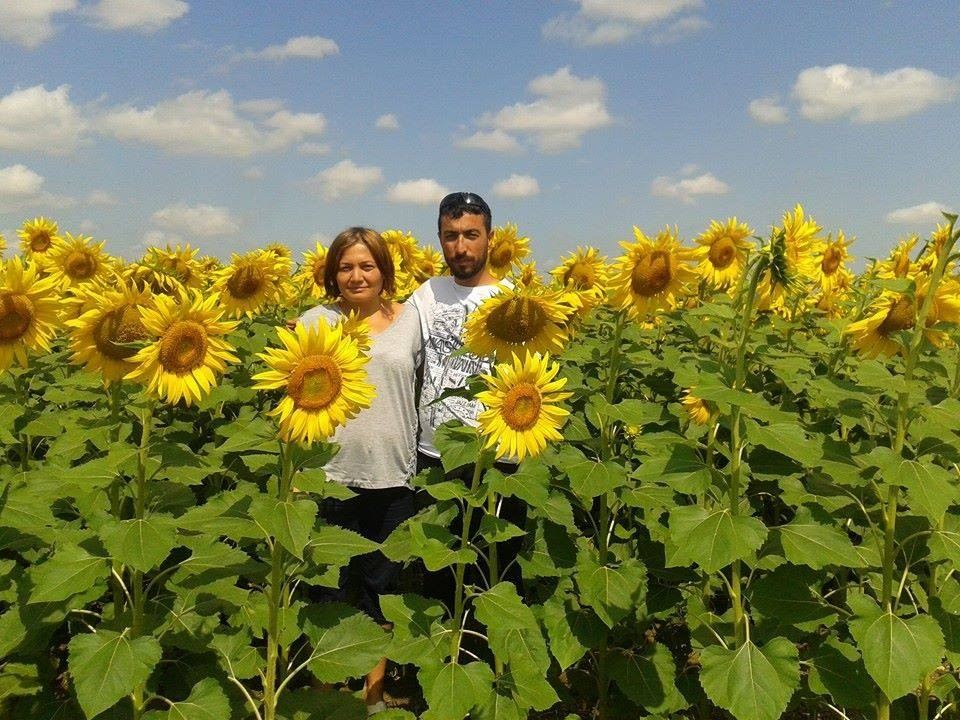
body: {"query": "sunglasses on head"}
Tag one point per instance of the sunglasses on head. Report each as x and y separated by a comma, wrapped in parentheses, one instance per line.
(463, 198)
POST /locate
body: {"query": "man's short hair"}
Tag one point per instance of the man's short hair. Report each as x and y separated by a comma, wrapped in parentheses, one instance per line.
(378, 249)
(456, 204)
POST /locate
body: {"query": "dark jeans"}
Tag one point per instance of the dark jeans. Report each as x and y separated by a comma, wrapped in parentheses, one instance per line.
(374, 514)
(441, 585)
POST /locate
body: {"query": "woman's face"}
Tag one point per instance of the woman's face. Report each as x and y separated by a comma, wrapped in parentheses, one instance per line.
(358, 277)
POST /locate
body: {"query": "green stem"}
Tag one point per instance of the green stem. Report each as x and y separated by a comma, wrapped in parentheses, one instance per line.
(483, 459)
(493, 560)
(137, 586)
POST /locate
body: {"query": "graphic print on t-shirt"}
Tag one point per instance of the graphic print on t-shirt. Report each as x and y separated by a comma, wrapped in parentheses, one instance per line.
(443, 371)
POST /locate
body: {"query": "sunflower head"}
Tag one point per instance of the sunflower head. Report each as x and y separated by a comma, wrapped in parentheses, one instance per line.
(653, 275)
(517, 319)
(428, 263)
(832, 269)
(78, 260)
(876, 334)
(507, 248)
(321, 371)
(310, 276)
(37, 237)
(802, 238)
(723, 249)
(699, 411)
(249, 283)
(28, 312)
(522, 400)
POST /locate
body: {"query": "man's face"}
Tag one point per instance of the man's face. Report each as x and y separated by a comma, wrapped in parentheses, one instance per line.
(464, 243)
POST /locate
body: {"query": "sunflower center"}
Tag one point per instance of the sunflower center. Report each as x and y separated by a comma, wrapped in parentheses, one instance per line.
(80, 265)
(117, 327)
(40, 242)
(183, 347)
(315, 383)
(16, 314)
(651, 274)
(518, 320)
(521, 406)
(900, 317)
(246, 282)
(580, 275)
(831, 261)
(722, 252)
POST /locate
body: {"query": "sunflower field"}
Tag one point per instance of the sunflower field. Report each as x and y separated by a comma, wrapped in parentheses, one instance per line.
(739, 462)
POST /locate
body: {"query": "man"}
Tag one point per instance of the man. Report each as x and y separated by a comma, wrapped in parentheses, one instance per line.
(463, 225)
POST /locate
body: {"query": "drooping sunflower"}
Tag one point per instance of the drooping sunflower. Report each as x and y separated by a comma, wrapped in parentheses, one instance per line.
(897, 264)
(802, 236)
(28, 312)
(310, 275)
(723, 249)
(699, 411)
(188, 350)
(321, 370)
(110, 320)
(249, 283)
(517, 319)
(507, 248)
(77, 260)
(36, 238)
(832, 269)
(522, 412)
(168, 270)
(888, 314)
(283, 254)
(652, 275)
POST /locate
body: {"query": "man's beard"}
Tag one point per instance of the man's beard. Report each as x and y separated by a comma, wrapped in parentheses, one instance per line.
(467, 272)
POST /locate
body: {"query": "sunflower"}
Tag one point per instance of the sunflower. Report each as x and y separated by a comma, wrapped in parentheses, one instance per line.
(802, 236)
(37, 237)
(428, 263)
(526, 276)
(522, 413)
(282, 253)
(110, 320)
(188, 350)
(698, 410)
(402, 245)
(897, 264)
(506, 249)
(652, 275)
(77, 260)
(584, 269)
(723, 249)
(888, 314)
(515, 319)
(250, 282)
(311, 271)
(321, 370)
(832, 271)
(28, 312)
(3, 244)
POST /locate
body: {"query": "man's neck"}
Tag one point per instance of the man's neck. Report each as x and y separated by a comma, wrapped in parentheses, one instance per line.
(484, 277)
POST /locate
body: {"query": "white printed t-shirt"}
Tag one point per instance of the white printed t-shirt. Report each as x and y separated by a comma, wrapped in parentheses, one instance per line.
(443, 306)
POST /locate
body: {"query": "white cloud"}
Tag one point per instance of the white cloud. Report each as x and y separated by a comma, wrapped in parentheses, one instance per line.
(262, 107)
(253, 173)
(312, 47)
(387, 122)
(610, 22)
(40, 119)
(313, 148)
(829, 93)
(768, 111)
(425, 191)
(517, 186)
(101, 198)
(196, 220)
(202, 123)
(87, 226)
(688, 189)
(21, 187)
(30, 22)
(142, 15)
(923, 214)
(494, 141)
(567, 108)
(345, 180)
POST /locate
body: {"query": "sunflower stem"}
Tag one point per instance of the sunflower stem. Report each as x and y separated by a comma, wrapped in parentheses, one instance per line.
(140, 503)
(483, 460)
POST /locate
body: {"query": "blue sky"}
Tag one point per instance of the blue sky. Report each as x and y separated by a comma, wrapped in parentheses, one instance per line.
(230, 125)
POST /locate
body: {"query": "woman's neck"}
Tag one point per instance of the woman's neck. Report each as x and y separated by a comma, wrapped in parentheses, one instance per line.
(365, 310)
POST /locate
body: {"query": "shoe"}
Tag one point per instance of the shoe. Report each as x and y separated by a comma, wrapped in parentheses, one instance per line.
(377, 707)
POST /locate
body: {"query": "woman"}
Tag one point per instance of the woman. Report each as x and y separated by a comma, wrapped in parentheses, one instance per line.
(378, 448)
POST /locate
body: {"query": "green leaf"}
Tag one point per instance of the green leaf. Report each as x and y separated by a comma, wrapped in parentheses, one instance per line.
(106, 667)
(458, 445)
(345, 643)
(712, 539)
(289, 521)
(142, 544)
(634, 412)
(71, 570)
(808, 542)
(500, 609)
(590, 478)
(784, 596)
(332, 545)
(456, 689)
(930, 488)
(753, 683)
(498, 705)
(837, 670)
(572, 630)
(944, 545)
(207, 701)
(613, 592)
(530, 482)
(682, 469)
(897, 652)
(418, 636)
(785, 438)
(236, 653)
(18, 680)
(647, 678)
